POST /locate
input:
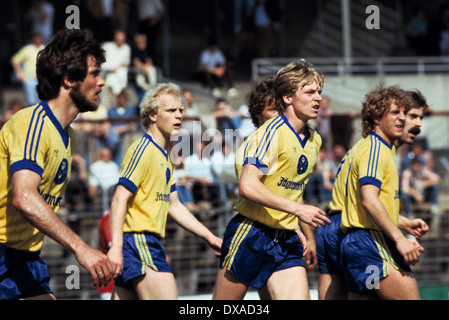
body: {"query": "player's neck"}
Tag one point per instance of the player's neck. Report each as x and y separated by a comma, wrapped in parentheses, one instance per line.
(298, 124)
(379, 132)
(64, 110)
(158, 137)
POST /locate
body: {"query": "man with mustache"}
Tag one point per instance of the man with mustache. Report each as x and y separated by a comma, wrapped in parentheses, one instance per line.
(36, 147)
(331, 284)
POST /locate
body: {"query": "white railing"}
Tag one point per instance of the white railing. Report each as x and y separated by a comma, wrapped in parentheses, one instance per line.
(380, 66)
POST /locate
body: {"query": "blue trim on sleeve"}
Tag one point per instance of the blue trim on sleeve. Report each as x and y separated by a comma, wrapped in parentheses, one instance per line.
(255, 162)
(370, 180)
(173, 188)
(128, 184)
(26, 165)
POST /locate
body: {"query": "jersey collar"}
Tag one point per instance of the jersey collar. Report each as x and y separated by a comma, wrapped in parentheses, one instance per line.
(301, 141)
(147, 136)
(64, 135)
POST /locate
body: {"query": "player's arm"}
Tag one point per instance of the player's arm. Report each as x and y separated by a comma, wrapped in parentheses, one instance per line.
(252, 188)
(26, 199)
(119, 207)
(182, 216)
(375, 208)
(311, 259)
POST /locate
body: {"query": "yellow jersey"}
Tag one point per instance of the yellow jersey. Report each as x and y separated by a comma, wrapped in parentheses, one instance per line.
(341, 180)
(287, 162)
(147, 172)
(33, 139)
(374, 163)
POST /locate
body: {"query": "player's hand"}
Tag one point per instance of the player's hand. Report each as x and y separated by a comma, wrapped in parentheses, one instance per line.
(97, 263)
(215, 243)
(311, 215)
(116, 257)
(303, 240)
(417, 228)
(410, 250)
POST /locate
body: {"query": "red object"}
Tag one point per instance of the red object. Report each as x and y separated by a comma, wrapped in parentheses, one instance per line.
(104, 232)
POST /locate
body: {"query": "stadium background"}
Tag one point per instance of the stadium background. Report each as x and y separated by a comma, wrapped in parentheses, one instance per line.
(353, 59)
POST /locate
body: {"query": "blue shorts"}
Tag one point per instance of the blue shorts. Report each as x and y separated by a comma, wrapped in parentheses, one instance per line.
(23, 274)
(328, 239)
(141, 250)
(252, 252)
(367, 255)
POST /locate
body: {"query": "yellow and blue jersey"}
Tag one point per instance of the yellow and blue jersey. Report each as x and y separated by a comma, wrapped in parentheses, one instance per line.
(147, 172)
(341, 180)
(374, 163)
(33, 139)
(240, 157)
(286, 161)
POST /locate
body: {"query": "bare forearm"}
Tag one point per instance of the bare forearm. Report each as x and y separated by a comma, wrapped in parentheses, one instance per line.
(118, 212)
(183, 217)
(379, 214)
(38, 213)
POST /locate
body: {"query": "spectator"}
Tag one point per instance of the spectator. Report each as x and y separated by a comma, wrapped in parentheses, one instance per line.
(103, 13)
(24, 64)
(150, 15)
(198, 170)
(247, 126)
(213, 70)
(329, 168)
(118, 60)
(77, 194)
(324, 121)
(122, 110)
(41, 14)
(145, 73)
(416, 151)
(223, 171)
(419, 185)
(183, 185)
(226, 119)
(103, 135)
(14, 106)
(103, 177)
(243, 17)
(416, 31)
(191, 123)
(267, 15)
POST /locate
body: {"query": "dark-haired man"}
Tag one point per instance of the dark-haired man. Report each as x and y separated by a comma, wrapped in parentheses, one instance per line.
(36, 148)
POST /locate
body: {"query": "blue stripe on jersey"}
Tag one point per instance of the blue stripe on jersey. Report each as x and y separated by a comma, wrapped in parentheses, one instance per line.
(266, 132)
(374, 157)
(266, 136)
(244, 151)
(137, 154)
(271, 139)
(30, 142)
